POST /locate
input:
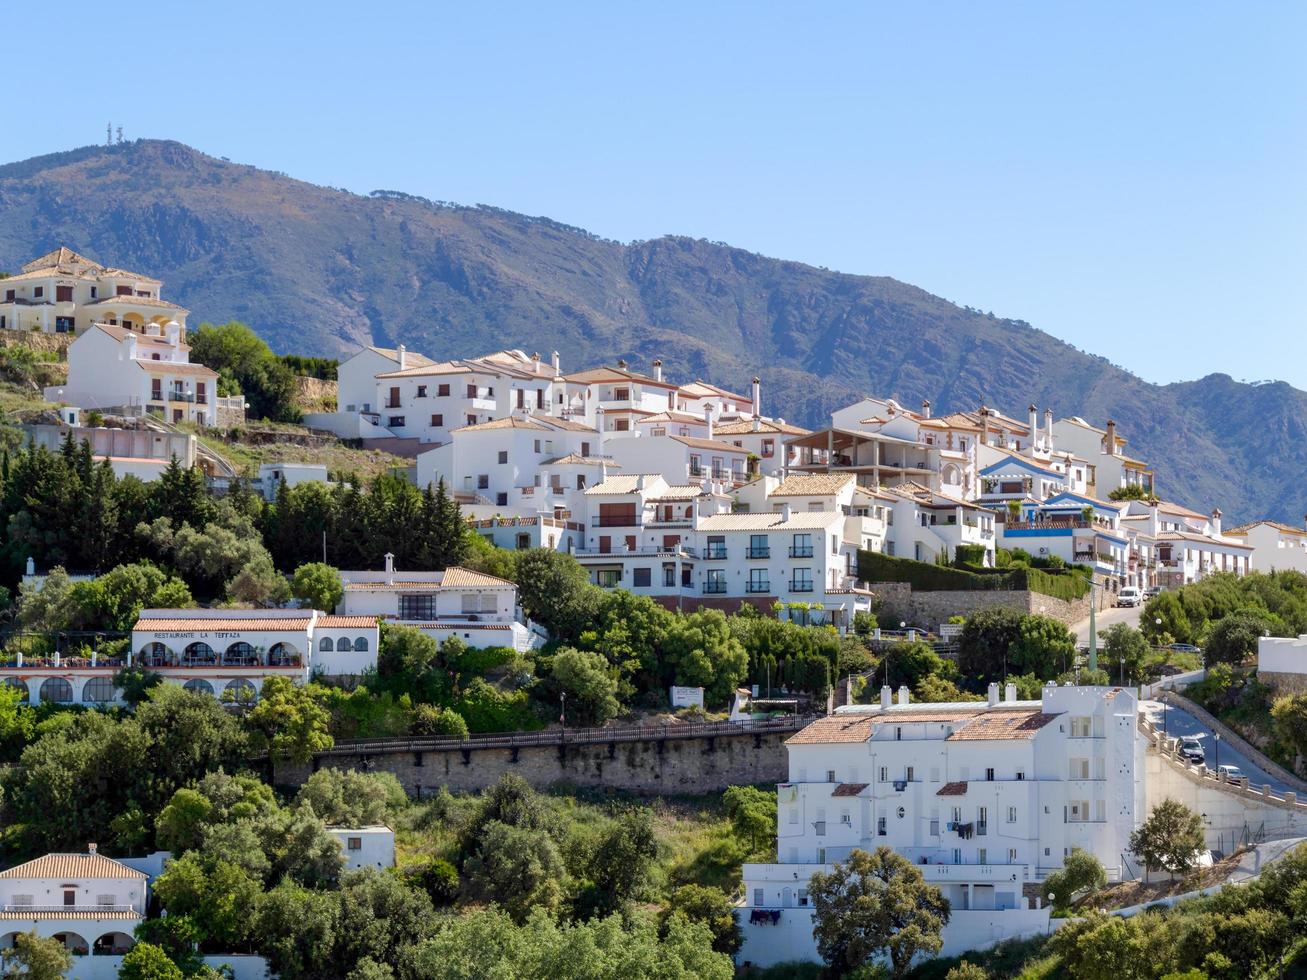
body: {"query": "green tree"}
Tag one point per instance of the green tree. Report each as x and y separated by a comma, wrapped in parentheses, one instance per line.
(1101, 947)
(296, 929)
(966, 970)
(1124, 644)
(1081, 872)
(405, 653)
(872, 904)
(1170, 839)
(1043, 646)
(620, 866)
(1132, 491)
(34, 957)
(318, 585)
(182, 822)
(555, 591)
(590, 687)
(1166, 606)
(146, 961)
(439, 722)
(701, 651)
(348, 798)
(177, 936)
(290, 720)
(259, 584)
(1233, 640)
(380, 919)
(713, 908)
(217, 898)
(244, 361)
(1290, 716)
(983, 646)
(519, 869)
(752, 813)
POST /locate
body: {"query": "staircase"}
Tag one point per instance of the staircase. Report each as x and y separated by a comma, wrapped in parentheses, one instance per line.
(218, 465)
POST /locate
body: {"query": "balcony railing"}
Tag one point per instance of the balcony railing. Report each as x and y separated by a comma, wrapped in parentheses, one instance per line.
(801, 586)
(758, 553)
(610, 521)
(801, 551)
(177, 395)
(70, 909)
(756, 587)
(714, 588)
(715, 551)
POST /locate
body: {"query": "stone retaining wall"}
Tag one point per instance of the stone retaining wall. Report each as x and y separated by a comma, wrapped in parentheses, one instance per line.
(933, 608)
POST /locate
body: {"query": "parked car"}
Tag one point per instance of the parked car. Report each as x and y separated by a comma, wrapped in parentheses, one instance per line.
(1182, 648)
(1129, 596)
(1192, 750)
(1229, 772)
(1152, 590)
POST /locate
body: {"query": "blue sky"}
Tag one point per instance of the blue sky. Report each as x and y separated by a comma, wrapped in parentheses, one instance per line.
(1129, 177)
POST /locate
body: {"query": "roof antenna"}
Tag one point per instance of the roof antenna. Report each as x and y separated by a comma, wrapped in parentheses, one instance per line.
(108, 134)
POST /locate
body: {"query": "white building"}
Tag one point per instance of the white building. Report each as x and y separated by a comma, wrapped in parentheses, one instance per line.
(366, 847)
(142, 453)
(63, 292)
(987, 798)
(1109, 468)
(929, 523)
(217, 651)
(90, 902)
(1275, 547)
(681, 459)
(116, 369)
(481, 610)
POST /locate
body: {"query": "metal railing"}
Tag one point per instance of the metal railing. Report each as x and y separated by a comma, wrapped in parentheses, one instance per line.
(72, 908)
(801, 586)
(758, 553)
(714, 588)
(801, 552)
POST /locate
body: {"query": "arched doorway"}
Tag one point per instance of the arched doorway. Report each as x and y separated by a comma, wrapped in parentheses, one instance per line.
(21, 684)
(155, 655)
(199, 684)
(240, 654)
(56, 690)
(199, 654)
(283, 655)
(112, 944)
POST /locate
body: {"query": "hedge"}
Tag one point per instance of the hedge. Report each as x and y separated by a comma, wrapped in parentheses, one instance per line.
(928, 577)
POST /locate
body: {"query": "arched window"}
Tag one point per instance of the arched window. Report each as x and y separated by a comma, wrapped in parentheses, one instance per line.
(98, 690)
(56, 690)
(361, 644)
(283, 655)
(154, 655)
(200, 652)
(343, 644)
(325, 644)
(20, 684)
(240, 654)
(240, 690)
(199, 684)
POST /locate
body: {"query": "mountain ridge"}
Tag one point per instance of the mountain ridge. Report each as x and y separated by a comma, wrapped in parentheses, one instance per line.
(320, 270)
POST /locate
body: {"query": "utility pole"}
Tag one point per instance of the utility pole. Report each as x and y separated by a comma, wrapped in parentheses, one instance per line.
(1093, 623)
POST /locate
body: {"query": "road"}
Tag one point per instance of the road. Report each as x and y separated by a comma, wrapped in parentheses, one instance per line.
(1180, 723)
(1107, 617)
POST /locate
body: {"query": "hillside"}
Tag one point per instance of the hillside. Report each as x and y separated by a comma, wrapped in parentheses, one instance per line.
(320, 271)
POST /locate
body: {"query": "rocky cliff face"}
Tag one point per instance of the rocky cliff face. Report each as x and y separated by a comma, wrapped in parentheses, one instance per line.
(320, 271)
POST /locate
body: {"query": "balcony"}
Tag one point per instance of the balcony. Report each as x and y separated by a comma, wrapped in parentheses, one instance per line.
(393, 403)
(178, 395)
(717, 551)
(758, 553)
(714, 588)
(758, 587)
(620, 521)
(801, 551)
(805, 586)
(72, 909)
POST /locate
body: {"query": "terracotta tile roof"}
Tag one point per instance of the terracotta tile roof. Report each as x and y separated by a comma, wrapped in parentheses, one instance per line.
(1002, 725)
(120, 333)
(457, 577)
(744, 427)
(1166, 507)
(624, 483)
(958, 420)
(835, 728)
(347, 622)
(268, 625)
(687, 492)
(952, 789)
(170, 367)
(512, 422)
(407, 585)
(576, 459)
(137, 301)
(869, 492)
(705, 389)
(601, 375)
(710, 445)
(849, 789)
(803, 521)
(928, 497)
(418, 360)
(430, 369)
(78, 915)
(70, 866)
(569, 425)
(812, 485)
(59, 258)
(687, 417)
(1202, 539)
(1282, 528)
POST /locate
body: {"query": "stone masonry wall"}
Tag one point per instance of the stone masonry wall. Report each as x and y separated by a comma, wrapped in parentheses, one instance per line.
(933, 608)
(668, 766)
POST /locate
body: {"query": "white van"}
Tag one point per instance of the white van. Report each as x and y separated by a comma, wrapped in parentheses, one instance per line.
(1129, 596)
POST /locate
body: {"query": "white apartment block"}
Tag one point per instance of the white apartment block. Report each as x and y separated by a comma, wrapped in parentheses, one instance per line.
(90, 902)
(113, 368)
(1109, 467)
(217, 651)
(63, 292)
(1186, 546)
(986, 798)
(481, 610)
(366, 847)
(677, 545)
(1275, 546)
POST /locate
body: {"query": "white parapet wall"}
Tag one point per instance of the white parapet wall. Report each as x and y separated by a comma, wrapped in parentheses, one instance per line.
(242, 966)
(1282, 661)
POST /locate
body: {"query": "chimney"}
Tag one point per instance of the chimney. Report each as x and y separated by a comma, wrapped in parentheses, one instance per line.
(1010, 692)
(390, 563)
(757, 424)
(785, 511)
(1048, 429)
(1216, 522)
(903, 694)
(886, 696)
(993, 695)
(558, 369)
(174, 333)
(535, 363)
(152, 330)
(639, 481)
(984, 425)
(658, 368)
(757, 397)
(92, 848)
(1109, 440)
(707, 419)
(129, 347)
(925, 408)
(402, 357)
(1034, 426)
(1154, 522)
(621, 364)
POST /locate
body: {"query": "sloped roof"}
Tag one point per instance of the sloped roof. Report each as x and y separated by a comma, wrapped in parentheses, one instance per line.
(137, 301)
(745, 427)
(812, 485)
(511, 422)
(347, 622)
(622, 483)
(1243, 529)
(849, 789)
(457, 577)
(148, 340)
(601, 375)
(70, 866)
(834, 728)
(576, 459)
(952, 789)
(174, 367)
(419, 360)
(709, 445)
(267, 625)
(804, 521)
(1002, 725)
(706, 389)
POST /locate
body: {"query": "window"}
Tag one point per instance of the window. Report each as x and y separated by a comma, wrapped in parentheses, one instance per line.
(123, 291)
(715, 583)
(881, 830)
(801, 546)
(356, 843)
(38, 292)
(63, 294)
(393, 400)
(98, 690)
(1021, 774)
(794, 814)
(608, 578)
(716, 546)
(1011, 855)
(909, 773)
(984, 857)
(325, 644)
(982, 821)
(641, 577)
(417, 607)
(395, 422)
(759, 546)
(758, 580)
(156, 389)
(757, 897)
(696, 465)
(846, 818)
(768, 447)
(1081, 727)
(24, 900)
(360, 644)
(501, 499)
(56, 689)
(437, 421)
(70, 896)
(882, 774)
(621, 394)
(830, 775)
(471, 391)
(442, 391)
(989, 775)
(422, 391)
(802, 581)
(1011, 814)
(483, 481)
(1079, 768)
(898, 733)
(503, 456)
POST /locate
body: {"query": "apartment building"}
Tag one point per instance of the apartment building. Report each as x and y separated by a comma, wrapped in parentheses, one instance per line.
(986, 798)
(1275, 546)
(90, 902)
(1079, 529)
(680, 546)
(1186, 545)
(113, 368)
(481, 610)
(63, 292)
(615, 399)
(1109, 468)
(681, 459)
(139, 452)
(765, 441)
(929, 523)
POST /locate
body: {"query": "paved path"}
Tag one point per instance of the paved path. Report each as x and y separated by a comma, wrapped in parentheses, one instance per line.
(1180, 723)
(1254, 861)
(1106, 618)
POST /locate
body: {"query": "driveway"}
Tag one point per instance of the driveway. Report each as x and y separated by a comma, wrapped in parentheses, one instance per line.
(1180, 723)
(1107, 617)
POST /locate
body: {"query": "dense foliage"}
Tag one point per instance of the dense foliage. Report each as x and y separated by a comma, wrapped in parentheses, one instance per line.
(1274, 602)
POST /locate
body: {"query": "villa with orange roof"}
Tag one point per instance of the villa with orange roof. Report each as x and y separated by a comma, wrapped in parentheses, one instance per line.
(1276, 547)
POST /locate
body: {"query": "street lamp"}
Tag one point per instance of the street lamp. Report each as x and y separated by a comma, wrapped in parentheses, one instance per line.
(563, 717)
(1216, 739)
(1052, 903)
